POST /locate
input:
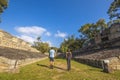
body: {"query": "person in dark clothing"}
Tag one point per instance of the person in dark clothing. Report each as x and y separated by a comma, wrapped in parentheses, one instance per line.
(68, 57)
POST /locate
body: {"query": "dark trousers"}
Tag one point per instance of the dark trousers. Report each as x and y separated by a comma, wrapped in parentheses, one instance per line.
(68, 63)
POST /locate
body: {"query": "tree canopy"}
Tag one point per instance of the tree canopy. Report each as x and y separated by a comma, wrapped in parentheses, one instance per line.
(114, 9)
(71, 43)
(41, 46)
(90, 29)
(3, 5)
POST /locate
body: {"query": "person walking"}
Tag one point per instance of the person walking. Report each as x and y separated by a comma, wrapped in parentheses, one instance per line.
(51, 57)
(68, 58)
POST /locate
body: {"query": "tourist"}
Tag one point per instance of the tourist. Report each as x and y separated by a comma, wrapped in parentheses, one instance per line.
(68, 57)
(51, 57)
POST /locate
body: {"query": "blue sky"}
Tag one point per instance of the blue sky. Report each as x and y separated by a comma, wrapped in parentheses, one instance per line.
(53, 20)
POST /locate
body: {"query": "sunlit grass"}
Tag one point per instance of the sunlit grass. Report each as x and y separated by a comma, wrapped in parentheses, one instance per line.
(40, 71)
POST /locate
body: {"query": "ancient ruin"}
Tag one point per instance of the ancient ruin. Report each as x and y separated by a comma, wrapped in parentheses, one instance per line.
(107, 59)
(15, 52)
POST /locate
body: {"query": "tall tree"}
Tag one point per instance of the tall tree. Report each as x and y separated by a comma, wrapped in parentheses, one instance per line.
(41, 46)
(39, 39)
(90, 29)
(86, 30)
(72, 43)
(114, 9)
(101, 24)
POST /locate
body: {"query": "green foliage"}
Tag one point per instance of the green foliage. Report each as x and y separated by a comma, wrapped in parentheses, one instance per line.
(113, 21)
(90, 29)
(41, 46)
(114, 9)
(101, 24)
(71, 43)
(63, 48)
(38, 38)
(56, 49)
(41, 71)
(86, 30)
(3, 5)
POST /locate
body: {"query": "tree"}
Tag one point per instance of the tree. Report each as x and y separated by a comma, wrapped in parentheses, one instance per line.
(71, 43)
(90, 29)
(3, 5)
(77, 44)
(39, 39)
(112, 22)
(114, 9)
(101, 24)
(41, 46)
(87, 30)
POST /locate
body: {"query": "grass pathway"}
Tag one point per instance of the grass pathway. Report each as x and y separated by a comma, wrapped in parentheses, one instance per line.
(40, 71)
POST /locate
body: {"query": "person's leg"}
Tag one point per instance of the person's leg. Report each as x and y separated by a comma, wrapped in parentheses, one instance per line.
(67, 64)
(52, 62)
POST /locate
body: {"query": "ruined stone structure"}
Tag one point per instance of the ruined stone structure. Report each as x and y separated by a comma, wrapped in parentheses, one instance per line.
(15, 52)
(107, 59)
(7, 40)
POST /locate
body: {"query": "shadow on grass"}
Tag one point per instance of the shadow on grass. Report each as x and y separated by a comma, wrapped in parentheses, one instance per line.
(59, 68)
(50, 68)
(43, 65)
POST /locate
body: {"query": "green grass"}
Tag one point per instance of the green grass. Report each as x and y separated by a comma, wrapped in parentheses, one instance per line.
(40, 71)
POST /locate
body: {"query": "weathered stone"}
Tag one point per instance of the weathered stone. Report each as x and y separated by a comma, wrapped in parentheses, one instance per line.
(15, 52)
(7, 40)
(108, 60)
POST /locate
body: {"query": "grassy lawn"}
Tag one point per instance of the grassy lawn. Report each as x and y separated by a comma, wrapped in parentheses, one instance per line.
(40, 71)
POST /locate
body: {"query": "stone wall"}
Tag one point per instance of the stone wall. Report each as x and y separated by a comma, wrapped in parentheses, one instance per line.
(15, 52)
(91, 62)
(108, 60)
(13, 65)
(7, 40)
(111, 64)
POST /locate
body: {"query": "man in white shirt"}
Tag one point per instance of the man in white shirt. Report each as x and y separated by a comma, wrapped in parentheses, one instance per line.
(51, 57)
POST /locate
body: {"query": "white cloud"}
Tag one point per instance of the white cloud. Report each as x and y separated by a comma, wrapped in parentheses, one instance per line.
(60, 34)
(48, 34)
(30, 33)
(27, 38)
(32, 30)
